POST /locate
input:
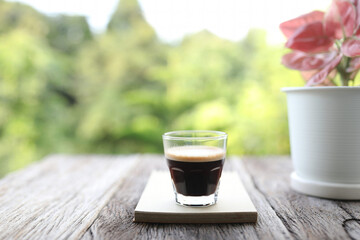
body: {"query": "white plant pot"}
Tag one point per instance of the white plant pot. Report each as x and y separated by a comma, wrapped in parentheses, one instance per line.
(324, 127)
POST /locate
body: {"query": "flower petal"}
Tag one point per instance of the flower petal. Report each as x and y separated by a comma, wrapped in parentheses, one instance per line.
(306, 75)
(357, 6)
(321, 76)
(354, 65)
(357, 32)
(340, 17)
(289, 27)
(351, 47)
(305, 62)
(327, 82)
(310, 38)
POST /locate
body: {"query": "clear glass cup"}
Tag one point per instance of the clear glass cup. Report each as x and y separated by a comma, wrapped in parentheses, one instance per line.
(195, 159)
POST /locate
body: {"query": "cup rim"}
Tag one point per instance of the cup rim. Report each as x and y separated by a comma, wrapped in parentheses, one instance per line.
(218, 135)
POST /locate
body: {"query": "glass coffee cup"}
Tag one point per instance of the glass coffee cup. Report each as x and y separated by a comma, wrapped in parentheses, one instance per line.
(195, 159)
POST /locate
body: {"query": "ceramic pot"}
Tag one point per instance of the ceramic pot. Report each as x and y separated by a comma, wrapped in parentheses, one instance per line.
(324, 128)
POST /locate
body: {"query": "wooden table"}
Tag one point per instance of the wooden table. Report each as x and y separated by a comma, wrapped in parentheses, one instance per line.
(94, 197)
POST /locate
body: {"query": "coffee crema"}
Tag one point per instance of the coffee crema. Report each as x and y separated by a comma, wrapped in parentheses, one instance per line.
(195, 170)
(195, 153)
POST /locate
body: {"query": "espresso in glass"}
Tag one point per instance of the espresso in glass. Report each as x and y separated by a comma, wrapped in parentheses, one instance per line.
(195, 170)
(195, 160)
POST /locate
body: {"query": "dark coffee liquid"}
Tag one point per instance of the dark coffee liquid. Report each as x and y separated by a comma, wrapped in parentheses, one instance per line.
(195, 178)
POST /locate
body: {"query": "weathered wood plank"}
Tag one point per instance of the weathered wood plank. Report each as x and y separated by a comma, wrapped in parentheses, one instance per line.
(116, 219)
(269, 225)
(60, 197)
(65, 196)
(305, 217)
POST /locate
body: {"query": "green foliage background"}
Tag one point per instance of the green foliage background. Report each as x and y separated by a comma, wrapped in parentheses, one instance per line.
(64, 89)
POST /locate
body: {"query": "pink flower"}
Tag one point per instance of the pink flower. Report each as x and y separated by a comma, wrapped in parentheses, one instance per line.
(325, 43)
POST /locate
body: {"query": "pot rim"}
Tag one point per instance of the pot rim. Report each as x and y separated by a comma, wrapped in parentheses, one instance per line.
(331, 88)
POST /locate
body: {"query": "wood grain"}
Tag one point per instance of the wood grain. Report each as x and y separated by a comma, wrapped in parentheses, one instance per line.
(60, 197)
(116, 218)
(94, 197)
(283, 213)
(303, 216)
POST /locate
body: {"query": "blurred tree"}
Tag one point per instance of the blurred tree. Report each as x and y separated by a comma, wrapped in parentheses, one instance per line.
(125, 115)
(63, 89)
(28, 68)
(19, 16)
(216, 84)
(34, 85)
(128, 18)
(68, 33)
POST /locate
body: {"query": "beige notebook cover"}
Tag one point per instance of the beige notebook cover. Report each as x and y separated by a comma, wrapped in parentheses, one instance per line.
(157, 203)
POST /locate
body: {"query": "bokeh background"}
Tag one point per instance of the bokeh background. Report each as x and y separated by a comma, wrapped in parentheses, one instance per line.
(67, 88)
